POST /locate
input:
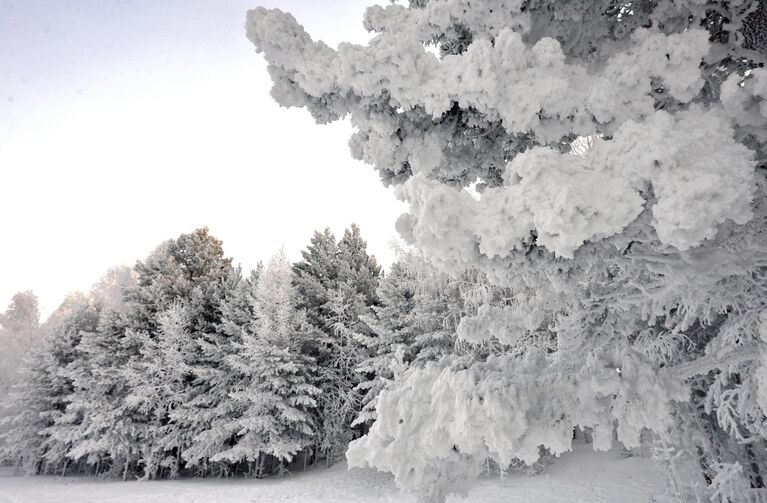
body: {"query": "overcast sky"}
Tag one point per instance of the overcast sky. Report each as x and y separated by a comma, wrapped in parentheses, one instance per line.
(127, 122)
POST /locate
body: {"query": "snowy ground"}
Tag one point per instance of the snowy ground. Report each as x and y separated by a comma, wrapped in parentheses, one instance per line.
(581, 477)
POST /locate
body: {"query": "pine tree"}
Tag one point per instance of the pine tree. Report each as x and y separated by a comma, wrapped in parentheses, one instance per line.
(190, 271)
(341, 401)
(39, 429)
(358, 272)
(158, 383)
(18, 331)
(275, 396)
(146, 389)
(112, 434)
(100, 382)
(20, 441)
(315, 277)
(219, 433)
(63, 430)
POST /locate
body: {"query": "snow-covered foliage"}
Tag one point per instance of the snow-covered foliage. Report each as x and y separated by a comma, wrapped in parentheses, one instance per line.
(19, 332)
(273, 401)
(40, 428)
(177, 364)
(336, 285)
(413, 323)
(221, 413)
(507, 408)
(19, 329)
(635, 271)
(409, 106)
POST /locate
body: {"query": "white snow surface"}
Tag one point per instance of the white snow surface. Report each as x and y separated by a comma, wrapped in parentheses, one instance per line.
(583, 476)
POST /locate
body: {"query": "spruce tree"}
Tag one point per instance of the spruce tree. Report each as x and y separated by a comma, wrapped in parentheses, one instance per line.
(219, 420)
(112, 434)
(38, 430)
(158, 384)
(316, 276)
(275, 396)
(18, 331)
(349, 299)
(101, 439)
(190, 271)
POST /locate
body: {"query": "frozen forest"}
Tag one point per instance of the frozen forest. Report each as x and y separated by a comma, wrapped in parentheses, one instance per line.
(586, 185)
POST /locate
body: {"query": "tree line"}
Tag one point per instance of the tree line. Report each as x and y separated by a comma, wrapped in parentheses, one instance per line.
(185, 365)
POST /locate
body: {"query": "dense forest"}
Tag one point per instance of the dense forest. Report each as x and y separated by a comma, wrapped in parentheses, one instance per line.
(185, 365)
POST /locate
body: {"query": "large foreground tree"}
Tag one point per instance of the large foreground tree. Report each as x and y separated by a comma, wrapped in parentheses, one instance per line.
(616, 156)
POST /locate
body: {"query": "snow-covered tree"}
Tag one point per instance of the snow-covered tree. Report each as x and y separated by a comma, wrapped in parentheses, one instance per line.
(635, 265)
(18, 332)
(158, 385)
(111, 434)
(150, 369)
(219, 420)
(341, 399)
(174, 312)
(94, 410)
(39, 426)
(336, 284)
(358, 272)
(64, 392)
(272, 403)
(114, 433)
(315, 277)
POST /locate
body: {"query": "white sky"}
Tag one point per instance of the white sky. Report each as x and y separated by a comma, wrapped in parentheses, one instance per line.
(125, 123)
